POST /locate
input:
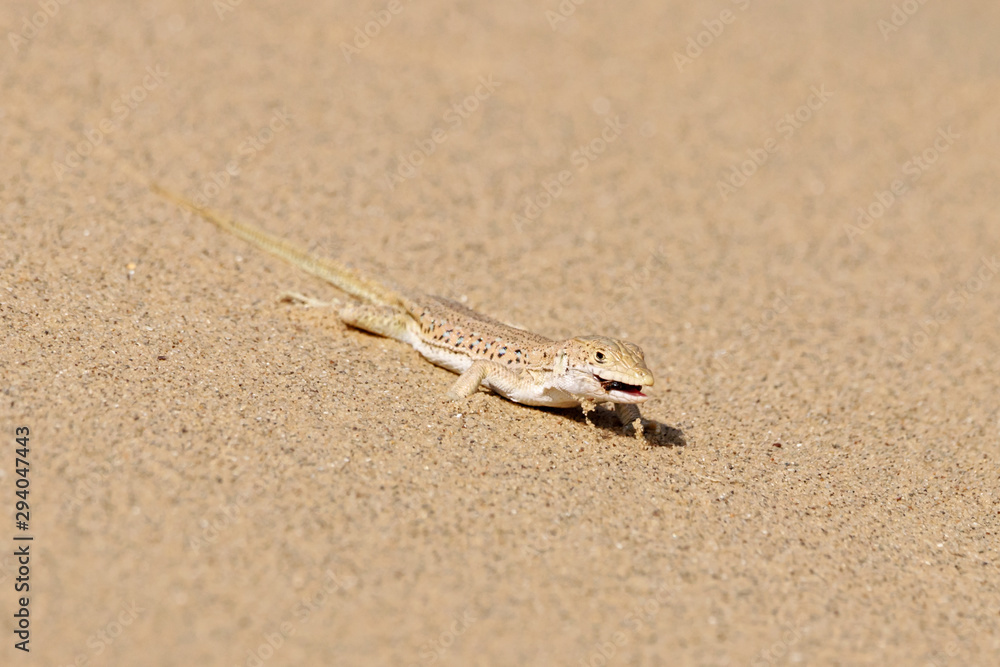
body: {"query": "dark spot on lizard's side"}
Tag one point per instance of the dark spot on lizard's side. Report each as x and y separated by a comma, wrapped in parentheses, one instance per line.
(503, 351)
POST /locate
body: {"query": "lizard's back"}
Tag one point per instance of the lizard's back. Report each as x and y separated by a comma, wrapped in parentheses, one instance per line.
(454, 336)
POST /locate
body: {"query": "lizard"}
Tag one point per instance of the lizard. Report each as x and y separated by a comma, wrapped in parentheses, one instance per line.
(517, 364)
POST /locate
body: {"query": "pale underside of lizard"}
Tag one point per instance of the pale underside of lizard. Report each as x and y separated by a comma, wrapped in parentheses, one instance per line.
(514, 363)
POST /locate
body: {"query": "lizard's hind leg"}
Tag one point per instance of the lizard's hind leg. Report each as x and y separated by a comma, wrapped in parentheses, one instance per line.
(388, 321)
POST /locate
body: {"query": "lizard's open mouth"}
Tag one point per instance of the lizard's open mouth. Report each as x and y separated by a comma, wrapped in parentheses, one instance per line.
(615, 385)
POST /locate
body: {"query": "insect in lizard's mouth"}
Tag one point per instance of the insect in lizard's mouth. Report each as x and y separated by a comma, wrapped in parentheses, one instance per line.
(615, 385)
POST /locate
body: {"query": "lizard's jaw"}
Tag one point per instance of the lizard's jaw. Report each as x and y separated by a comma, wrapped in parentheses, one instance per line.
(620, 391)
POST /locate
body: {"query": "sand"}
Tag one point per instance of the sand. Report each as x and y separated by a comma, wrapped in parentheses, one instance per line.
(792, 207)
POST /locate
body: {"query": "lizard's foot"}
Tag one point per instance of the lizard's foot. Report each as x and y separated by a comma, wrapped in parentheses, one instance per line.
(628, 415)
(646, 429)
(303, 300)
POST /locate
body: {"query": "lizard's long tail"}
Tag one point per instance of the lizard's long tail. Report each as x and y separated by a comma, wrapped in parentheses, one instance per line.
(346, 279)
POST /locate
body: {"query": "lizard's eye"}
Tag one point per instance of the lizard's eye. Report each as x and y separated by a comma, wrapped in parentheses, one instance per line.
(600, 357)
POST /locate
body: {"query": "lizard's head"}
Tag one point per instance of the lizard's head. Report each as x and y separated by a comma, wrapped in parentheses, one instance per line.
(607, 369)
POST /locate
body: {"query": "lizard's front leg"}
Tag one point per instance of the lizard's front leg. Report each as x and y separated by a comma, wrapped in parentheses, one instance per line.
(628, 414)
(501, 379)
